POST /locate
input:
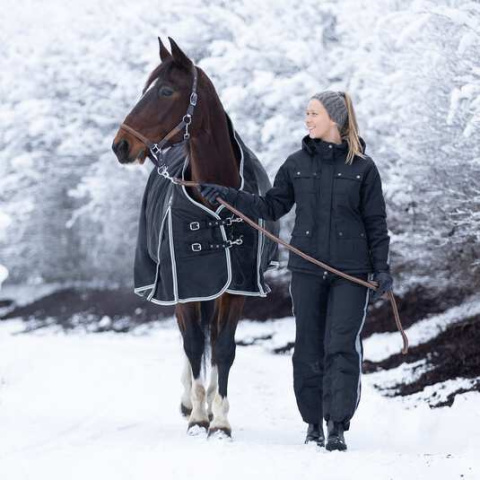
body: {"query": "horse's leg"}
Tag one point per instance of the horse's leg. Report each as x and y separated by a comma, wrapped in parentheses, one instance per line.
(228, 310)
(186, 402)
(212, 390)
(189, 318)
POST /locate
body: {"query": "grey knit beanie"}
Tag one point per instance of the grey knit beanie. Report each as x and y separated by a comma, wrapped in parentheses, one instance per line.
(335, 105)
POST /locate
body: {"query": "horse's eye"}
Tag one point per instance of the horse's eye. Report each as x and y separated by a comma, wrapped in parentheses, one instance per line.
(165, 91)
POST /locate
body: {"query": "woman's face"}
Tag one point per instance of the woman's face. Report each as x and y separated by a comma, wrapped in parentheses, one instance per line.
(317, 120)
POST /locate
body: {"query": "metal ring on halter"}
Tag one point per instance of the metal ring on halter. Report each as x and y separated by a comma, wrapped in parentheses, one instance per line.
(162, 170)
(186, 117)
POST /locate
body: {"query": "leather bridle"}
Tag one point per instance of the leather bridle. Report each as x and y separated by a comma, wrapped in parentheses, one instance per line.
(156, 149)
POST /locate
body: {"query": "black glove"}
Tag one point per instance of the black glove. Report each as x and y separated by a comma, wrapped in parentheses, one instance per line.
(385, 284)
(211, 191)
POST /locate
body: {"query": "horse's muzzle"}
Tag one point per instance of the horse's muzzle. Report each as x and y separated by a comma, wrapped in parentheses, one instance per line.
(121, 150)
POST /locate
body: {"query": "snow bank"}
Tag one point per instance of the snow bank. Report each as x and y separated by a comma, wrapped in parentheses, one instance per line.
(381, 345)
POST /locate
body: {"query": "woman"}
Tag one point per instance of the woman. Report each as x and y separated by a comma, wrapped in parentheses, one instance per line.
(340, 220)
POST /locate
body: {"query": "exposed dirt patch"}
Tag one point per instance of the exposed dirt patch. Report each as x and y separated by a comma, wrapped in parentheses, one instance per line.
(121, 310)
(417, 304)
(452, 354)
(118, 309)
(60, 306)
(6, 303)
(277, 304)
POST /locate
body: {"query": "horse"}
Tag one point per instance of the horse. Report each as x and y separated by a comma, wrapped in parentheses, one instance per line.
(166, 96)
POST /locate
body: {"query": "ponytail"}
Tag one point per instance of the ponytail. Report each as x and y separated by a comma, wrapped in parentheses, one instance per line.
(349, 131)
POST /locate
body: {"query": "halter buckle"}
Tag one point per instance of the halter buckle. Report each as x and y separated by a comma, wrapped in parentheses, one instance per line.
(155, 150)
(196, 247)
(193, 99)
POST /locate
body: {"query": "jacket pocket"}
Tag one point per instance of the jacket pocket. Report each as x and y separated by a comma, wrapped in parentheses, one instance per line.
(351, 246)
(346, 189)
(303, 182)
(302, 230)
(346, 182)
(302, 238)
(350, 230)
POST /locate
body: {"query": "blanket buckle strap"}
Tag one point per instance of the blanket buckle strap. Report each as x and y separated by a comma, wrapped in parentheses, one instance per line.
(196, 247)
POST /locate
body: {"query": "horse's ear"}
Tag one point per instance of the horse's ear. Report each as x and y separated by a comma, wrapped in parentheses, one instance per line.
(164, 53)
(178, 56)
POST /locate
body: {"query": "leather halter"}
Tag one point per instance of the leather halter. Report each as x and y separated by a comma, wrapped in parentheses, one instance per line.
(155, 149)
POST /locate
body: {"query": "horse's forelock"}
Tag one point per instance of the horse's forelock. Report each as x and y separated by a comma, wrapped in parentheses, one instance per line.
(164, 68)
(152, 77)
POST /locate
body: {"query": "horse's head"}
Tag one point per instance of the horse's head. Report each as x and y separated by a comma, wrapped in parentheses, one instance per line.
(165, 100)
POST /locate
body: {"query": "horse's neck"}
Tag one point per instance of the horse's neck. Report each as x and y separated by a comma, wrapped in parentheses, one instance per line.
(212, 158)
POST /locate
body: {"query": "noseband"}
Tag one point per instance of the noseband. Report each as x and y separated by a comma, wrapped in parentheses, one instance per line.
(155, 149)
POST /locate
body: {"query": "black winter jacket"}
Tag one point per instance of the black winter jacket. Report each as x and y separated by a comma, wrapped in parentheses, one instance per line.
(340, 210)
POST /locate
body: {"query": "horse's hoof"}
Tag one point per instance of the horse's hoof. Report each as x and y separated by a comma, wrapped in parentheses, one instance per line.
(220, 433)
(197, 428)
(185, 411)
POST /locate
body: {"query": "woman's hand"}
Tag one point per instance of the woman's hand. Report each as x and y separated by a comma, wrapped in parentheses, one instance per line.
(385, 284)
(210, 191)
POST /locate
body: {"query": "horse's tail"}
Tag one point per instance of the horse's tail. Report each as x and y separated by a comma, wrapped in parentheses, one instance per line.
(207, 310)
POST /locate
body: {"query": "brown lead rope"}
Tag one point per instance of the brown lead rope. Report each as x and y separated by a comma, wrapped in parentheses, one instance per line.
(372, 285)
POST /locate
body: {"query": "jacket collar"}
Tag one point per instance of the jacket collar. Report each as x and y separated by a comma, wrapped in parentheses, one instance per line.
(314, 145)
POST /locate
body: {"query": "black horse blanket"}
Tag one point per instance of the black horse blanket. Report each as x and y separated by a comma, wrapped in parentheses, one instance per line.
(186, 252)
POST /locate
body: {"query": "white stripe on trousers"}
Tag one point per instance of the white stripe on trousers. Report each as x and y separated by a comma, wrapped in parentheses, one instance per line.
(358, 347)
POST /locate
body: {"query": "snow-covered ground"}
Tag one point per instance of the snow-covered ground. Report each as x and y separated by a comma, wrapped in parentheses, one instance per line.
(106, 406)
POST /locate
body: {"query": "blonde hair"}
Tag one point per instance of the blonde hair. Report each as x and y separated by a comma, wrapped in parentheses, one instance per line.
(349, 132)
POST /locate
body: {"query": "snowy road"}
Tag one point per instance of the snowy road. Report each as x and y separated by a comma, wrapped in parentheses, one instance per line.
(105, 406)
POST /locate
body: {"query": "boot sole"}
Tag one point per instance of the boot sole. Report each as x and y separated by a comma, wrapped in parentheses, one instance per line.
(336, 446)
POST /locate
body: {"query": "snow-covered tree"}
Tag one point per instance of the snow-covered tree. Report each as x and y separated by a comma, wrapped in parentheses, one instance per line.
(411, 67)
(418, 85)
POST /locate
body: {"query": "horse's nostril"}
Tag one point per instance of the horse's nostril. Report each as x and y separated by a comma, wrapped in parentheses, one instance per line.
(121, 147)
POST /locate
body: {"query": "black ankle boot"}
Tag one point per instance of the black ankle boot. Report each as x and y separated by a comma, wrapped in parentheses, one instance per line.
(336, 440)
(315, 434)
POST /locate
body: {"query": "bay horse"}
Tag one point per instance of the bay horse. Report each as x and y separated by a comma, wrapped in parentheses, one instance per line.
(166, 97)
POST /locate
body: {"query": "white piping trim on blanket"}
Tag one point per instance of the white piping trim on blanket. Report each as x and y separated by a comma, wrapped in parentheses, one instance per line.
(141, 289)
(172, 254)
(251, 294)
(261, 241)
(158, 254)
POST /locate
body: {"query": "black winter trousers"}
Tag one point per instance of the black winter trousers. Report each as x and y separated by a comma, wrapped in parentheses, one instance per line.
(327, 361)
